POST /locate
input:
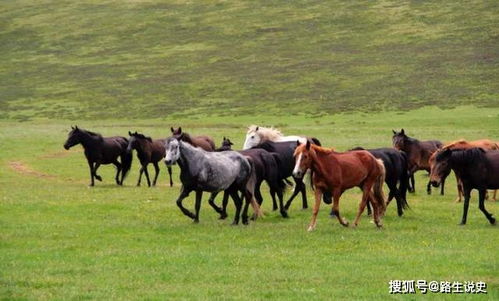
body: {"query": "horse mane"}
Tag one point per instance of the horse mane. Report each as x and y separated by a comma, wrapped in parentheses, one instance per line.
(94, 134)
(270, 133)
(323, 150)
(454, 143)
(141, 136)
(463, 156)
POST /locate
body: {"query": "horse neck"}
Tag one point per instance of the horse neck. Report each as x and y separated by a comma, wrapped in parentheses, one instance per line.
(187, 138)
(88, 140)
(188, 154)
(143, 146)
(318, 156)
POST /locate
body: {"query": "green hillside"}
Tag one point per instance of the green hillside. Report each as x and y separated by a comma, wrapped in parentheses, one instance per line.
(141, 59)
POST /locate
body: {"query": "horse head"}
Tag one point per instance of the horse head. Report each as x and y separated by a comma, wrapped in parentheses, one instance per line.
(253, 137)
(399, 139)
(303, 159)
(172, 151)
(440, 166)
(73, 137)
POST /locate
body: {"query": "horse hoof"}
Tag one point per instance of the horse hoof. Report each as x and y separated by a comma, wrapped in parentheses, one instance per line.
(284, 214)
(345, 224)
(304, 208)
(195, 221)
(234, 223)
(310, 229)
(492, 221)
(462, 224)
(98, 178)
(223, 216)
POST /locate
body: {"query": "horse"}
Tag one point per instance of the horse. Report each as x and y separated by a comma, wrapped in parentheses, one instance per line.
(203, 142)
(463, 144)
(101, 150)
(286, 162)
(226, 145)
(395, 163)
(336, 172)
(266, 169)
(258, 134)
(212, 172)
(476, 168)
(418, 154)
(148, 151)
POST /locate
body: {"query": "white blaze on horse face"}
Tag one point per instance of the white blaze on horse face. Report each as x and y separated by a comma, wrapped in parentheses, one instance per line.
(297, 171)
(252, 139)
(172, 152)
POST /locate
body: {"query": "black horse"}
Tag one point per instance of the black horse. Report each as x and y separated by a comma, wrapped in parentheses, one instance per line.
(286, 163)
(266, 169)
(101, 150)
(148, 151)
(226, 145)
(476, 168)
(397, 177)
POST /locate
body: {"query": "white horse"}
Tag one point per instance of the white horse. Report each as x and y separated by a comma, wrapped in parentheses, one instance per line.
(258, 134)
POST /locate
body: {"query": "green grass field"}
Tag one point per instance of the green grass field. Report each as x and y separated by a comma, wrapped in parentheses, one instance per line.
(345, 72)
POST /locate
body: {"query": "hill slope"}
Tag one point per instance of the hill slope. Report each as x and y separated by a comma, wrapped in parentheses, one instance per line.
(139, 59)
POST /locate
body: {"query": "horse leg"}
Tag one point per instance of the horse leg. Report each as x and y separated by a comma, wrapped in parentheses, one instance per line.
(183, 194)
(211, 201)
(169, 168)
(225, 201)
(412, 186)
(238, 203)
(140, 175)
(315, 211)
(199, 195)
(296, 190)
(495, 195)
(303, 189)
(363, 203)
(481, 205)
(467, 195)
(283, 211)
(336, 207)
(428, 187)
(147, 175)
(91, 166)
(369, 211)
(247, 197)
(258, 193)
(156, 169)
(442, 189)
(96, 166)
(118, 170)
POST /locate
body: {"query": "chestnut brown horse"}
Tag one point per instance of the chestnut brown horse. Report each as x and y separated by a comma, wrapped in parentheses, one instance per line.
(418, 154)
(484, 144)
(203, 142)
(336, 172)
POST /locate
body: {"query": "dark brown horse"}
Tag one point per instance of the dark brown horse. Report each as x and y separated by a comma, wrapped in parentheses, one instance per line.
(101, 150)
(476, 168)
(418, 154)
(203, 142)
(148, 151)
(226, 145)
(336, 172)
(484, 144)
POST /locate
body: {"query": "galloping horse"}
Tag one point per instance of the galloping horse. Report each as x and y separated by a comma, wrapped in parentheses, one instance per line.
(148, 151)
(475, 168)
(101, 150)
(418, 153)
(203, 142)
(396, 177)
(463, 144)
(259, 134)
(212, 172)
(336, 172)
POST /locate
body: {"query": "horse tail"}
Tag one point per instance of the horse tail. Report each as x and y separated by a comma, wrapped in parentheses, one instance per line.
(250, 187)
(404, 180)
(378, 187)
(126, 164)
(315, 141)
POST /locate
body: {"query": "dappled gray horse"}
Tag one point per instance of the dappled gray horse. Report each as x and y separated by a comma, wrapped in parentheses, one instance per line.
(212, 172)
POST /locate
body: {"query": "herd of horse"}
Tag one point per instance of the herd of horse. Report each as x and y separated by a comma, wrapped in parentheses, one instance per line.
(271, 157)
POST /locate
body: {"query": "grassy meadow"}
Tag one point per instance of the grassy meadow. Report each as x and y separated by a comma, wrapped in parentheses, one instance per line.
(347, 72)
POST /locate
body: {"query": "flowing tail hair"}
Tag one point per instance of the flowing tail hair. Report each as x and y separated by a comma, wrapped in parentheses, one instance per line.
(126, 164)
(379, 196)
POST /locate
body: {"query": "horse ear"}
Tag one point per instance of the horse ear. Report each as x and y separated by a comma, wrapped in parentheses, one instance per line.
(76, 127)
(180, 129)
(308, 145)
(171, 129)
(298, 143)
(225, 138)
(257, 128)
(129, 133)
(394, 132)
(72, 127)
(402, 132)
